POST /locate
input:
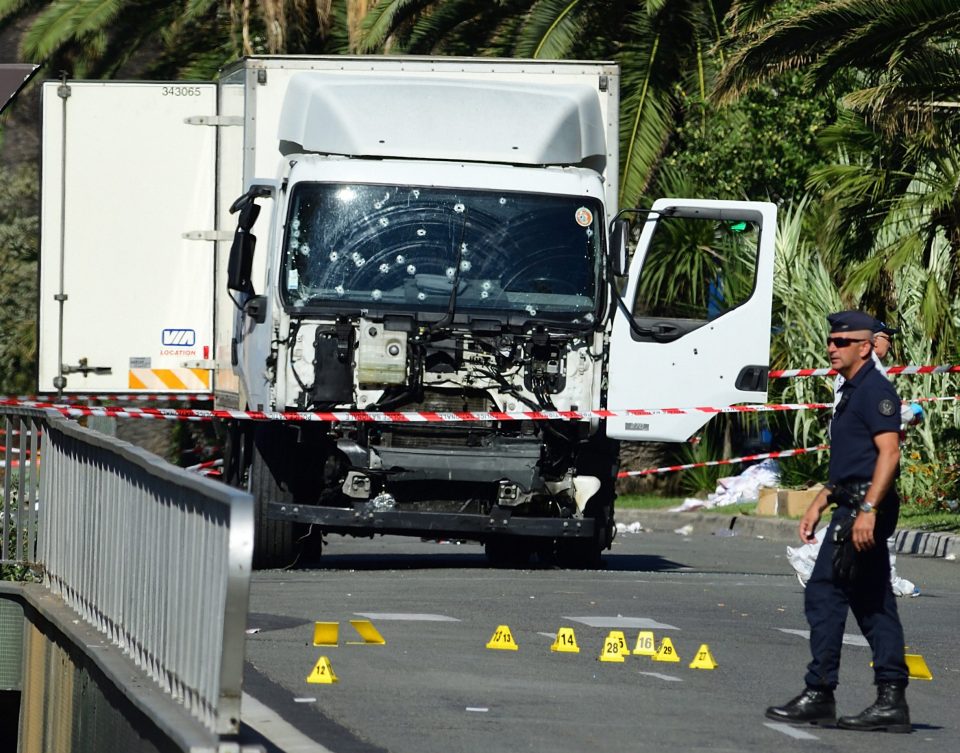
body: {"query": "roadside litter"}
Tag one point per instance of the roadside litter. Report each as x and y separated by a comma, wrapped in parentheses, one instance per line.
(803, 557)
(733, 490)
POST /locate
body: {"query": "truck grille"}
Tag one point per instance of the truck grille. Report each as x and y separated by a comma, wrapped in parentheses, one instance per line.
(441, 435)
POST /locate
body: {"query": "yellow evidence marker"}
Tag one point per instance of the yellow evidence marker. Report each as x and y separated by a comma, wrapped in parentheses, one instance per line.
(325, 633)
(704, 659)
(370, 635)
(565, 642)
(666, 652)
(612, 647)
(918, 667)
(624, 648)
(502, 639)
(646, 646)
(322, 673)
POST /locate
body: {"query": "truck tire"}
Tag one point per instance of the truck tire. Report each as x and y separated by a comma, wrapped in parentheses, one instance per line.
(273, 540)
(276, 543)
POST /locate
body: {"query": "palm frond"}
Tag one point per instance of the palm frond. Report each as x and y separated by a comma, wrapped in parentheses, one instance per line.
(14, 8)
(382, 20)
(646, 109)
(551, 29)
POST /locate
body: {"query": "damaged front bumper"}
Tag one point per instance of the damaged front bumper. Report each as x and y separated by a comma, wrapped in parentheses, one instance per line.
(362, 520)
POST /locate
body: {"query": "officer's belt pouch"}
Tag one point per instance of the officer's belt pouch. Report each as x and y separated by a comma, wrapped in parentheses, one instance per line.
(849, 495)
(845, 557)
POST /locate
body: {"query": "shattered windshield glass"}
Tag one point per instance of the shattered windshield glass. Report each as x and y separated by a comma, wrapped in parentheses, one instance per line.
(405, 248)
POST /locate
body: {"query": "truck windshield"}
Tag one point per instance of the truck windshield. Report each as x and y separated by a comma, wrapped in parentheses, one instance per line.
(403, 247)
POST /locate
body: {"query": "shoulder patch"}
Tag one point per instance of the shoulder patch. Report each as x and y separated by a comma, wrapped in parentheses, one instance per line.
(887, 407)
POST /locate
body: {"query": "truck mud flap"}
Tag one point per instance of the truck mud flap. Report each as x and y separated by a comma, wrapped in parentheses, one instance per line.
(498, 521)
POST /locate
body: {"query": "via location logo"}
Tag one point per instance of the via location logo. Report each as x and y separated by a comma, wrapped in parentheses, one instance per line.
(178, 338)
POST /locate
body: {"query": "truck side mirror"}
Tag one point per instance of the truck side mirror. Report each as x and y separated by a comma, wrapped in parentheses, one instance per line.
(619, 233)
(240, 263)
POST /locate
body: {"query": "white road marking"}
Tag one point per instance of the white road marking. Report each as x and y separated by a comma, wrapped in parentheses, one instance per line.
(408, 616)
(479, 709)
(668, 678)
(796, 734)
(848, 638)
(620, 621)
(277, 730)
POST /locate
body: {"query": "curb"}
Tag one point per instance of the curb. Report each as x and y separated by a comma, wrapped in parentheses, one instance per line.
(919, 543)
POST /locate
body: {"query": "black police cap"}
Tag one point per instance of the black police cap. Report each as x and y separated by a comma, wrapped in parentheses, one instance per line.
(883, 327)
(852, 321)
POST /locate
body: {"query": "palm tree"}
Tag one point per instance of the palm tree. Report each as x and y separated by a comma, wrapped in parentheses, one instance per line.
(892, 195)
(189, 39)
(92, 38)
(665, 48)
(903, 58)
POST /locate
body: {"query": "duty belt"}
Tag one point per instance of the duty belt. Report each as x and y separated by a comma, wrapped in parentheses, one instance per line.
(850, 494)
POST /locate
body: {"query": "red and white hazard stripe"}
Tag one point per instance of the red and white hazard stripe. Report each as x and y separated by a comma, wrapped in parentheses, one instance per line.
(207, 468)
(355, 416)
(727, 461)
(894, 370)
(196, 414)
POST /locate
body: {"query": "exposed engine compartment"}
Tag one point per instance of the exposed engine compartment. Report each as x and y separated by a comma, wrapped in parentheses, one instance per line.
(393, 365)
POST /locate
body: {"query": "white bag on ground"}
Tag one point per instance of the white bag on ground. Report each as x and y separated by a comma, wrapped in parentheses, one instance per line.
(732, 490)
(803, 557)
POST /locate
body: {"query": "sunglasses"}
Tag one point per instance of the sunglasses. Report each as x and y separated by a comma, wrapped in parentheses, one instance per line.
(843, 342)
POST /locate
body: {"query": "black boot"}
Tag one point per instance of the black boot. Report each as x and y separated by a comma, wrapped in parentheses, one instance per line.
(889, 712)
(812, 706)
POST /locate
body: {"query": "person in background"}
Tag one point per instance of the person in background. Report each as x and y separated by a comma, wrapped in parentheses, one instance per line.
(912, 414)
(852, 572)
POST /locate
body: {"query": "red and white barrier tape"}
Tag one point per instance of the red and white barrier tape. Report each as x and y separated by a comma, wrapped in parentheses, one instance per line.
(894, 370)
(360, 416)
(727, 461)
(206, 465)
(207, 468)
(196, 414)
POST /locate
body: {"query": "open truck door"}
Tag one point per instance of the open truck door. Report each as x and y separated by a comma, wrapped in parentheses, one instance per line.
(694, 327)
(126, 253)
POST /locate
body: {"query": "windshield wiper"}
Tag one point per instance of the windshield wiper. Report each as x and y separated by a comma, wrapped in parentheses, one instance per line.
(447, 318)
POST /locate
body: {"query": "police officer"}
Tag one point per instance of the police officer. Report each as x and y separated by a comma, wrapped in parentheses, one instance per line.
(852, 570)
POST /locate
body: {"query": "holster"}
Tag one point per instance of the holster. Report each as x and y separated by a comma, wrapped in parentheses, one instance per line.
(845, 556)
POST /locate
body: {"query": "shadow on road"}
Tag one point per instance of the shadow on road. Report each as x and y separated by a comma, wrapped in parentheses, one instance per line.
(472, 557)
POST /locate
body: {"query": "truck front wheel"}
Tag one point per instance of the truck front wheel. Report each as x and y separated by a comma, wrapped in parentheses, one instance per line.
(276, 543)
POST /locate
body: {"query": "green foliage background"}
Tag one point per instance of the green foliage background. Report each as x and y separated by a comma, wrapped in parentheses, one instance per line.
(844, 112)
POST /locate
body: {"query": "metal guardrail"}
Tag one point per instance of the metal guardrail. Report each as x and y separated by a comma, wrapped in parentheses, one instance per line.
(156, 558)
(20, 440)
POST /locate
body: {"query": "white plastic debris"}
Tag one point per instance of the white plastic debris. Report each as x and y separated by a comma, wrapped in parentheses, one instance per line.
(803, 557)
(685, 530)
(732, 490)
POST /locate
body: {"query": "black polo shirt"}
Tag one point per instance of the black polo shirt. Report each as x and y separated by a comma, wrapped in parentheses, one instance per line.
(869, 405)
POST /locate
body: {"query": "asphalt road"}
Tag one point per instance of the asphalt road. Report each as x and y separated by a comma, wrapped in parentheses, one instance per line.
(435, 688)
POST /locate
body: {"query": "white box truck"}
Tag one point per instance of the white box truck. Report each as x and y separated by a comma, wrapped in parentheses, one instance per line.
(407, 238)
